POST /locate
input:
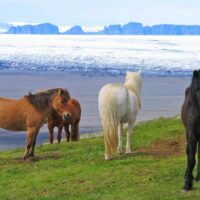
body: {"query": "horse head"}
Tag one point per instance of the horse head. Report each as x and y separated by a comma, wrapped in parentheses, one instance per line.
(60, 104)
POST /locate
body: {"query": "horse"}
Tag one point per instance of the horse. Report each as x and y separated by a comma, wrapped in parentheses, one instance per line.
(119, 104)
(190, 115)
(73, 116)
(30, 112)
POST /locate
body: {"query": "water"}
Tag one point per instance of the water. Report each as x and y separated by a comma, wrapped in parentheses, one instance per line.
(161, 96)
(113, 55)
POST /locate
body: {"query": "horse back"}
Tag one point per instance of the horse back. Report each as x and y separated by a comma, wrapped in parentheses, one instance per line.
(114, 97)
(13, 114)
(114, 93)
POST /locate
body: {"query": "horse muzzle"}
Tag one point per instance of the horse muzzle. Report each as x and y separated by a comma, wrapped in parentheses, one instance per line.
(66, 117)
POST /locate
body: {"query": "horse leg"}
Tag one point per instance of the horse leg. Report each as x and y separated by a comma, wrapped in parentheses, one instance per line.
(67, 133)
(74, 131)
(31, 151)
(50, 134)
(198, 166)
(108, 154)
(120, 136)
(77, 130)
(191, 150)
(128, 141)
(29, 141)
(60, 128)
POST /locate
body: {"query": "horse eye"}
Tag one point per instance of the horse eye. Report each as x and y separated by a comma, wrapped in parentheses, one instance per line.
(62, 101)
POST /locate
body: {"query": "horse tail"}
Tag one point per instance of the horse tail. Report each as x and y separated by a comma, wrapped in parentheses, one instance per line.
(110, 122)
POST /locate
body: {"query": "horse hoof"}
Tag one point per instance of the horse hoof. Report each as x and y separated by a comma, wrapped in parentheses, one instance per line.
(187, 187)
(32, 158)
(108, 157)
(184, 190)
(25, 157)
(129, 152)
(29, 158)
(120, 151)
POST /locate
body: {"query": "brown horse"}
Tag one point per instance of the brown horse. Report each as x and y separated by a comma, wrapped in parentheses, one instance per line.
(73, 115)
(30, 113)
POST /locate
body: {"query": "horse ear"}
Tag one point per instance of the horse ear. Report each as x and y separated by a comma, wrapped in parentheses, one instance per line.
(60, 92)
(195, 73)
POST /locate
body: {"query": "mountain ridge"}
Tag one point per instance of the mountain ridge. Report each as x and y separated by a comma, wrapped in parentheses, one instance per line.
(131, 28)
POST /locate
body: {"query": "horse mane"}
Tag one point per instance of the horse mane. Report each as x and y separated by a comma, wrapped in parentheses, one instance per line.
(40, 101)
(135, 86)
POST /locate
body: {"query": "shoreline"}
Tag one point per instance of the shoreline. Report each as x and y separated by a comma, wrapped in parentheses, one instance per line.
(161, 97)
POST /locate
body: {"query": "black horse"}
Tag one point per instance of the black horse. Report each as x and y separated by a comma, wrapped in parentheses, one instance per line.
(190, 115)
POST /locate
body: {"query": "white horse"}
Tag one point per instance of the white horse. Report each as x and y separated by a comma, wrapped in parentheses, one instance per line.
(118, 104)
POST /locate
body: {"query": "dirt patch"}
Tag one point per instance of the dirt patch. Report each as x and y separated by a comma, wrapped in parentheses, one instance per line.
(165, 148)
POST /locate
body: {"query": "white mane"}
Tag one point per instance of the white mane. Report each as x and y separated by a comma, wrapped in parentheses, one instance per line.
(133, 82)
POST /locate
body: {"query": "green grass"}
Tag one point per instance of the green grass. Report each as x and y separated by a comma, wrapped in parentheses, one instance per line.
(78, 170)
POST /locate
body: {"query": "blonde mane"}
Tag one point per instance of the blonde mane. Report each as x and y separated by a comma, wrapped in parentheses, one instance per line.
(133, 83)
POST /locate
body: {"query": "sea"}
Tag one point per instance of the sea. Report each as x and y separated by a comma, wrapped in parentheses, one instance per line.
(100, 55)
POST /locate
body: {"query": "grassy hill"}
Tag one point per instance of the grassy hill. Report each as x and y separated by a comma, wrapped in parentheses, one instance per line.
(77, 170)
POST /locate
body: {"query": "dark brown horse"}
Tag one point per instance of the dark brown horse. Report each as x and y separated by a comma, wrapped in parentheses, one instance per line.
(30, 113)
(190, 115)
(73, 116)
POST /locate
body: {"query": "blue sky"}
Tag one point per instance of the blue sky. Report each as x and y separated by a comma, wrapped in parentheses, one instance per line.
(101, 12)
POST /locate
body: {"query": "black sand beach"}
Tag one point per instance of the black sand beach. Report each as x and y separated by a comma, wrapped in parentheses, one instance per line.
(161, 96)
